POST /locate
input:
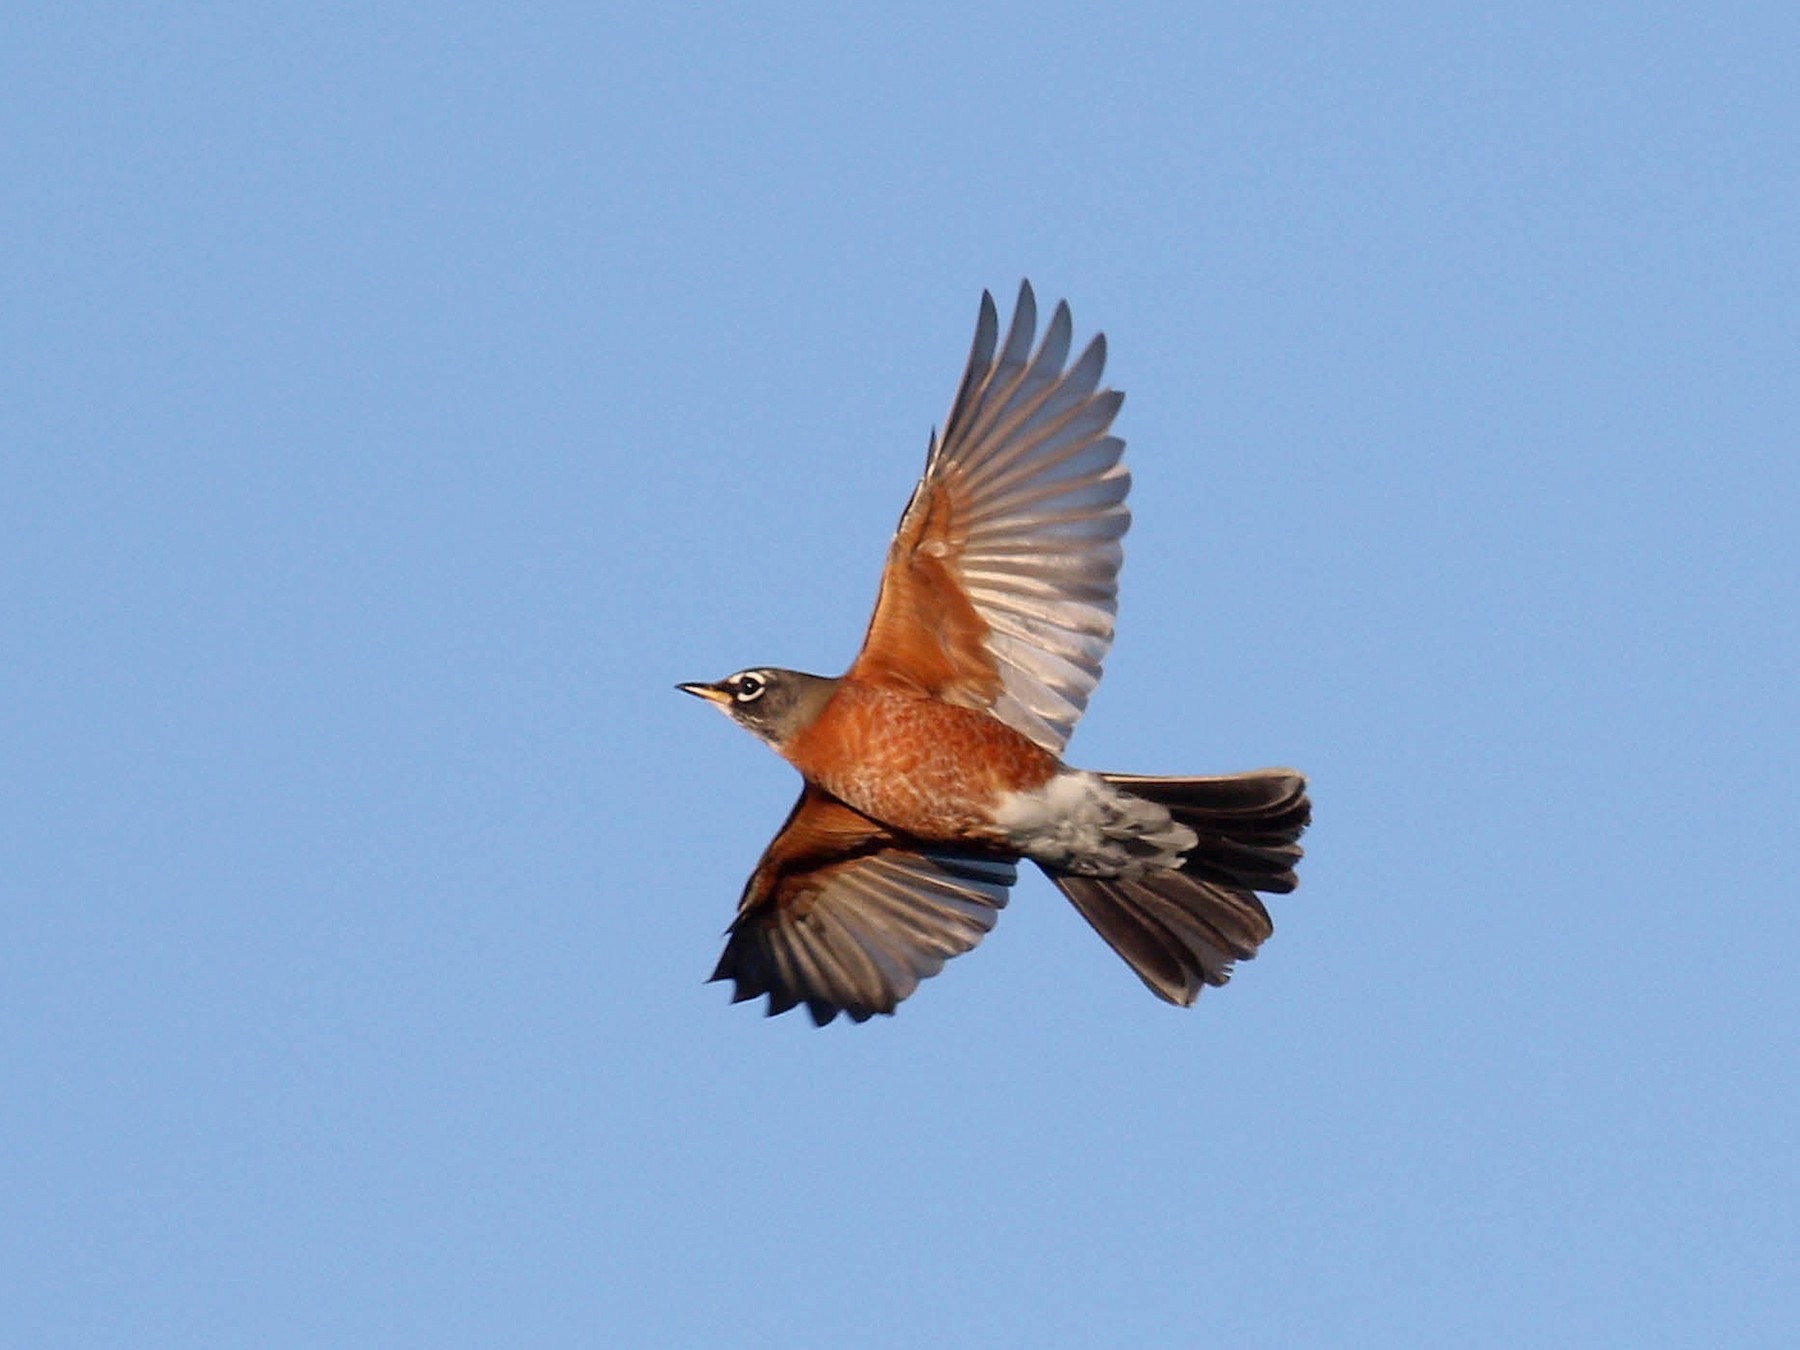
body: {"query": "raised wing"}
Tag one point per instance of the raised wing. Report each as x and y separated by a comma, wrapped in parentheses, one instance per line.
(1002, 582)
(840, 918)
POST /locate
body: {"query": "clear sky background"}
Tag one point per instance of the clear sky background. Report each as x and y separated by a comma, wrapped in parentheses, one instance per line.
(396, 400)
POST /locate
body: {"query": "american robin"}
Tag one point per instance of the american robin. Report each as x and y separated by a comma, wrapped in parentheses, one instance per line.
(934, 763)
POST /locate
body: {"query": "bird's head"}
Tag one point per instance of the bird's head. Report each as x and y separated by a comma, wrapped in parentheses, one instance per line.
(774, 704)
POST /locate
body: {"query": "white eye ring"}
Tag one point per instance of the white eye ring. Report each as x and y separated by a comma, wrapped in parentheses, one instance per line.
(747, 688)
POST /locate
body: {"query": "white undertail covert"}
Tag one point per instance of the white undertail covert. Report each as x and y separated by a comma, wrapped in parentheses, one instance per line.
(1081, 824)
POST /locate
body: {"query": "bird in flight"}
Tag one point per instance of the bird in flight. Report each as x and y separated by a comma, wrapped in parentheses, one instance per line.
(934, 764)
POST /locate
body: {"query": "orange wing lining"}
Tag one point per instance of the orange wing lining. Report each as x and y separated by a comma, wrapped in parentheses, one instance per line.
(926, 633)
(820, 832)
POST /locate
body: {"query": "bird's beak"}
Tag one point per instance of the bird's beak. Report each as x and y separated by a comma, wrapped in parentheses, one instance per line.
(710, 692)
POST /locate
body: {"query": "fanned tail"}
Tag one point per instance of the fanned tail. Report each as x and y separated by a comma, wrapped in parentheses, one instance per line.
(1249, 823)
(1182, 928)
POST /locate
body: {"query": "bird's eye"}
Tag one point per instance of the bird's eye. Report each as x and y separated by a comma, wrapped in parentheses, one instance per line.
(749, 687)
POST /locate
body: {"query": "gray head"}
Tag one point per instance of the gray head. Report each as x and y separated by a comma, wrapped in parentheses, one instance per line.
(775, 704)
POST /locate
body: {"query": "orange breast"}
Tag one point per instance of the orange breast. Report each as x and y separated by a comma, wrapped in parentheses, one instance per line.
(930, 769)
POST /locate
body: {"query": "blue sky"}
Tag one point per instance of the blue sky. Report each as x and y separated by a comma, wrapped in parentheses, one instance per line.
(398, 400)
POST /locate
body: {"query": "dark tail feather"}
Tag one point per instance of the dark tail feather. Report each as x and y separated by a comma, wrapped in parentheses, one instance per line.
(1182, 929)
(1249, 823)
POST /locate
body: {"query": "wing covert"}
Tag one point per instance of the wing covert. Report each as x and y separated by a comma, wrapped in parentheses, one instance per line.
(841, 918)
(1001, 585)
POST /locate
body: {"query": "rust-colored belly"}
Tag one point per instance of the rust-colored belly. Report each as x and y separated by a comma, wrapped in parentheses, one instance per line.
(917, 765)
